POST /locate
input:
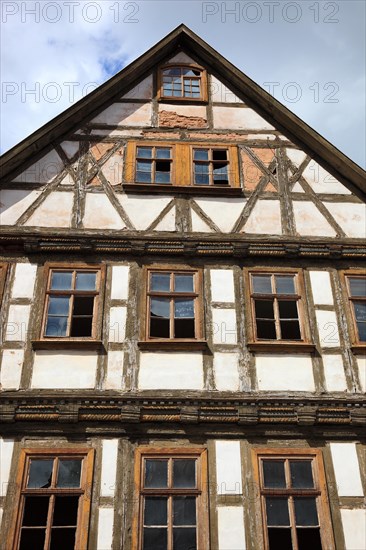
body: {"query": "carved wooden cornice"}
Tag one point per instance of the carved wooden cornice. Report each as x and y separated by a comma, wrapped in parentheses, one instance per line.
(188, 246)
(301, 412)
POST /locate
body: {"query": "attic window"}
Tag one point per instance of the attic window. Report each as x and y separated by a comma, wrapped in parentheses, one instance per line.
(183, 82)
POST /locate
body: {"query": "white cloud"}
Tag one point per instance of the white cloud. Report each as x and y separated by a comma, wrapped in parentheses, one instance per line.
(79, 44)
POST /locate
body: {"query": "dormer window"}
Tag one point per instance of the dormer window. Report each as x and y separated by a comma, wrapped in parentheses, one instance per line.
(183, 82)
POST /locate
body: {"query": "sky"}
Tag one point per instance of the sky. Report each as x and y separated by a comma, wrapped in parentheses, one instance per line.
(309, 54)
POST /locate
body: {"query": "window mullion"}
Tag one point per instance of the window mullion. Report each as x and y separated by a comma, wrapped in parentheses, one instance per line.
(51, 508)
(276, 310)
(69, 319)
(293, 523)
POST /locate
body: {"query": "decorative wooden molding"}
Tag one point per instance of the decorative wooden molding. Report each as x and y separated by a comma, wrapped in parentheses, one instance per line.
(118, 410)
(73, 242)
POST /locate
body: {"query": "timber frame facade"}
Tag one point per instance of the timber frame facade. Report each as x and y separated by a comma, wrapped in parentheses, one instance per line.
(183, 313)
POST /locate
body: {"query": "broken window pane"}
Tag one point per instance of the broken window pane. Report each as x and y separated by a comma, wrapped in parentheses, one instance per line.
(288, 309)
(219, 154)
(183, 318)
(83, 305)
(35, 511)
(266, 330)
(264, 309)
(309, 538)
(40, 474)
(32, 539)
(66, 511)
(290, 330)
(62, 538)
(280, 539)
(160, 317)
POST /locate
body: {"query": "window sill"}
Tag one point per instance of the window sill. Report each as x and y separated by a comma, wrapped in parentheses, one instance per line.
(176, 100)
(58, 343)
(274, 346)
(184, 345)
(196, 190)
(359, 349)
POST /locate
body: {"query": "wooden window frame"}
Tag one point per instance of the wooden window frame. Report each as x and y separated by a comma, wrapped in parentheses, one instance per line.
(357, 346)
(3, 273)
(201, 491)
(182, 176)
(67, 342)
(197, 343)
(85, 491)
(256, 344)
(319, 491)
(172, 99)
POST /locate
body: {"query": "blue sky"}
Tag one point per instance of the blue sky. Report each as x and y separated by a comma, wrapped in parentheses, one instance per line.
(310, 55)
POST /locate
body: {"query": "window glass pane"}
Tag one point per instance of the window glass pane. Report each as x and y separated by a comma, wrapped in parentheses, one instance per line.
(280, 539)
(184, 473)
(155, 539)
(69, 472)
(184, 538)
(144, 152)
(262, 284)
(35, 511)
(183, 283)
(160, 282)
(361, 328)
(156, 511)
(290, 330)
(32, 539)
(143, 177)
(360, 311)
(200, 154)
(288, 309)
(305, 511)
(66, 511)
(219, 154)
(83, 305)
(201, 177)
(183, 308)
(277, 511)
(40, 474)
(85, 281)
(156, 473)
(266, 330)
(274, 473)
(220, 175)
(184, 511)
(264, 309)
(177, 92)
(56, 327)
(162, 153)
(61, 280)
(58, 305)
(188, 71)
(174, 71)
(167, 90)
(62, 538)
(160, 307)
(309, 538)
(357, 286)
(285, 284)
(301, 474)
